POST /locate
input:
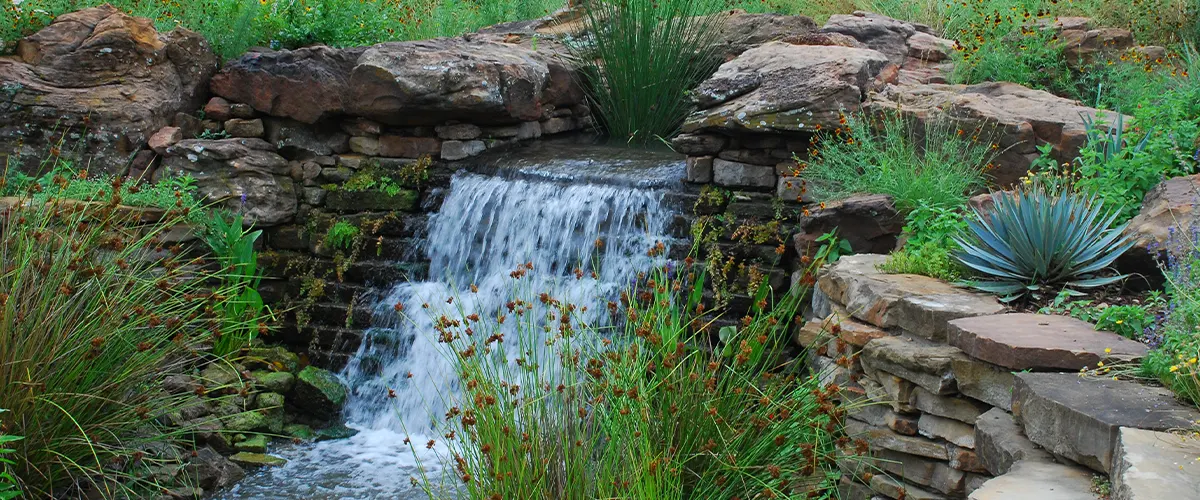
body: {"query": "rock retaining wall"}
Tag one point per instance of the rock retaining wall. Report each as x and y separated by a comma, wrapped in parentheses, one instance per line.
(959, 398)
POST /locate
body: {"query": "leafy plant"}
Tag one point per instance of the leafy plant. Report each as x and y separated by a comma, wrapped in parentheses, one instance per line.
(929, 244)
(937, 164)
(1131, 321)
(243, 315)
(341, 235)
(640, 59)
(9, 489)
(832, 247)
(1032, 241)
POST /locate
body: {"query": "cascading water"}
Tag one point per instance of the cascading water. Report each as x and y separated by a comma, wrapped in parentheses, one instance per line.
(486, 227)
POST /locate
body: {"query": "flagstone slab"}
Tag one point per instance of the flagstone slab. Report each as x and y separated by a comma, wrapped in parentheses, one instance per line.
(1023, 341)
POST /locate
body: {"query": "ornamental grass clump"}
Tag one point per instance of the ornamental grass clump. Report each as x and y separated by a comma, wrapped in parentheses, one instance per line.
(641, 58)
(658, 406)
(97, 305)
(1036, 241)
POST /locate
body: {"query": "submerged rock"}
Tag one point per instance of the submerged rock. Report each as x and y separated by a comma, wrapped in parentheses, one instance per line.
(319, 393)
(336, 431)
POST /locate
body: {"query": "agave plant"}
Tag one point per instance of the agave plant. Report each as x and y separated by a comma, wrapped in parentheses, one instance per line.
(1034, 240)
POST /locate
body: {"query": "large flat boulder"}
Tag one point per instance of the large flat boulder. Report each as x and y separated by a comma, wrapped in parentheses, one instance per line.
(1168, 208)
(1042, 480)
(1018, 119)
(920, 305)
(781, 87)
(101, 82)
(1152, 465)
(1024, 341)
(1080, 418)
(477, 79)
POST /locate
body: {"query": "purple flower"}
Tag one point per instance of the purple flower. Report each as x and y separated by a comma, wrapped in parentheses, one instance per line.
(243, 199)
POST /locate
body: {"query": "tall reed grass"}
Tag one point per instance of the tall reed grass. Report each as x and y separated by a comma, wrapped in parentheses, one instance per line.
(661, 405)
(97, 303)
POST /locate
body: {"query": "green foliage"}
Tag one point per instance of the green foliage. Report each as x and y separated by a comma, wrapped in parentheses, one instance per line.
(1128, 320)
(232, 26)
(1033, 241)
(242, 315)
(1027, 56)
(9, 489)
(341, 235)
(390, 181)
(936, 164)
(642, 58)
(65, 182)
(654, 408)
(94, 309)
(832, 247)
(1175, 342)
(929, 244)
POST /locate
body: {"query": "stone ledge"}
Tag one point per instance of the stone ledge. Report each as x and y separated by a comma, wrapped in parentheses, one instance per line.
(1038, 480)
(1000, 442)
(1039, 342)
(1152, 465)
(1079, 418)
(919, 305)
(919, 361)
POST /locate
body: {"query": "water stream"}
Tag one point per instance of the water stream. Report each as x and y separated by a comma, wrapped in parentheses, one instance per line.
(541, 210)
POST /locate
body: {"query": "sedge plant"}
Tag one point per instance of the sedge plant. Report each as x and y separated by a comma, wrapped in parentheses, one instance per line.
(97, 304)
(660, 404)
(244, 314)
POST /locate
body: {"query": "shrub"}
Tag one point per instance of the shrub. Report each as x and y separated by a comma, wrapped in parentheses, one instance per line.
(654, 407)
(1175, 342)
(96, 305)
(929, 244)
(1035, 240)
(936, 164)
(242, 315)
(640, 60)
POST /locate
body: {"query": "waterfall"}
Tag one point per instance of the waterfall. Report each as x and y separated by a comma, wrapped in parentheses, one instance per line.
(585, 243)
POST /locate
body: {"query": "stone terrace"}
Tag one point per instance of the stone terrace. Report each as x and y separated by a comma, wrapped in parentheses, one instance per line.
(960, 399)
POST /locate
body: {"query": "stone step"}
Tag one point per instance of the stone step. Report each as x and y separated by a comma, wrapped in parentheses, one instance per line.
(924, 363)
(1079, 418)
(1039, 342)
(1151, 465)
(1000, 442)
(1038, 480)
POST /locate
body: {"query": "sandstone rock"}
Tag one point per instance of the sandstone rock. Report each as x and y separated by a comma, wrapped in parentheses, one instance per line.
(404, 83)
(888, 440)
(558, 125)
(870, 223)
(892, 488)
(881, 33)
(1150, 465)
(780, 87)
(1000, 442)
(742, 175)
(459, 132)
(211, 471)
(319, 393)
(984, 381)
(919, 305)
(245, 175)
(742, 31)
(699, 144)
(1039, 342)
(1040, 480)
(1079, 418)
(919, 361)
(1083, 47)
(101, 73)
(408, 147)
(242, 111)
(1018, 119)
(935, 427)
(299, 141)
(957, 408)
(458, 150)
(926, 47)
(700, 169)
(896, 391)
(792, 189)
(164, 138)
(365, 145)
(964, 459)
(239, 127)
(1170, 206)
(217, 109)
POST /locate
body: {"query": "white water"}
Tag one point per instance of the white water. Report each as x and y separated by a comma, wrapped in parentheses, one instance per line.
(486, 227)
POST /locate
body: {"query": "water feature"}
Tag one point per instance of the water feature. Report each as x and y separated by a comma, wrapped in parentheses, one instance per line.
(537, 208)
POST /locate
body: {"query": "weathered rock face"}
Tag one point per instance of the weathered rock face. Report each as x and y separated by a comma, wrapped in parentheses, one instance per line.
(1040, 342)
(780, 87)
(475, 79)
(246, 175)
(103, 80)
(870, 223)
(1168, 207)
(741, 31)
(1016, 118)
(919, 55)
